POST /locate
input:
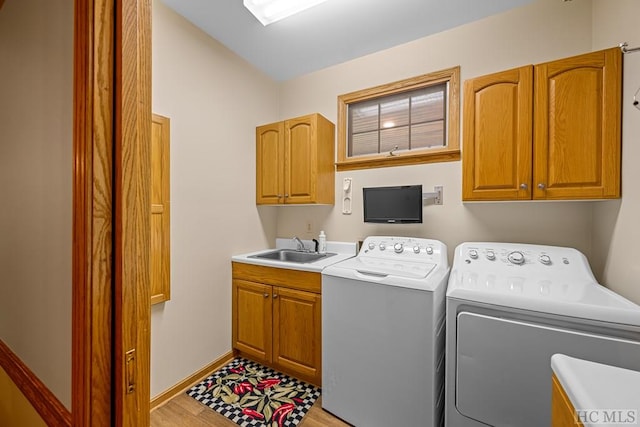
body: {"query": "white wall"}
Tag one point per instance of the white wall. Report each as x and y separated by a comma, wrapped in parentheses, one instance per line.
(543, 30)
(214, 101)
(617, 223)
(36, 153)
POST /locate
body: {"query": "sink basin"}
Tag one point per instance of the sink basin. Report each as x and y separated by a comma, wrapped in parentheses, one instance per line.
(289, 255)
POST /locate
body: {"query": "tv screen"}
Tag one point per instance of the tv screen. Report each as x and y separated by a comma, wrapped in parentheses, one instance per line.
(393, 205)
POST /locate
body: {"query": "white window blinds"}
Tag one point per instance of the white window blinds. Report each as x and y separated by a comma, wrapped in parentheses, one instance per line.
(412, 120)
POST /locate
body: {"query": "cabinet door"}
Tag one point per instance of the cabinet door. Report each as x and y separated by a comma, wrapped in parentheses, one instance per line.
(252, 319)
(497, 136)
(160, 257)
(300, 160)
(297, 333)
(562, 411)
(577, 127)
(270, 163)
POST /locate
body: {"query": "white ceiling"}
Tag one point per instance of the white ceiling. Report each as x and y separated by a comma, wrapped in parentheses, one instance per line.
(330, 33)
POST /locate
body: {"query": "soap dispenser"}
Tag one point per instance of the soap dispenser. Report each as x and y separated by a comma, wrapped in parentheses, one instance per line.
(322, 239)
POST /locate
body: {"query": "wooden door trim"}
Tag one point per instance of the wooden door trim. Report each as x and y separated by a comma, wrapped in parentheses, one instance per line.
(112, 130)
(132, 213)
(92, 212)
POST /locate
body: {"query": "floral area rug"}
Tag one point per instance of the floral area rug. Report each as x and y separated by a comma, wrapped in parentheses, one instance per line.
(250, 394)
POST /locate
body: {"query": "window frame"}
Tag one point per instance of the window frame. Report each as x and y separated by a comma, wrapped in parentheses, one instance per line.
(451, 152)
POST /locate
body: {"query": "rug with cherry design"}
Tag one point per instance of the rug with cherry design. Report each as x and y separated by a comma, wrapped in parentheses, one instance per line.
(250, 394)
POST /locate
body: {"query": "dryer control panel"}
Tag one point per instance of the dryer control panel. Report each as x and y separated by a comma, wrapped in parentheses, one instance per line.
(517, 254)
(496, 271)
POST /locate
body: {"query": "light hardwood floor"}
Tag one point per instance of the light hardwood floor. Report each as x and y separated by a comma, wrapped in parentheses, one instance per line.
(185, 411)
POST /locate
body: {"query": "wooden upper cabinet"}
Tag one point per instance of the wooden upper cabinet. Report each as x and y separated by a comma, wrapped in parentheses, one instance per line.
(546, 132)
(577, 150)
(300, 158)
(497, 135)
(295, 161)
(160, 258)
(270, 163)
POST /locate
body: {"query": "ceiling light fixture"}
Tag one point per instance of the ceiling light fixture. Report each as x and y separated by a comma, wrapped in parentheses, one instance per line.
(269, 11)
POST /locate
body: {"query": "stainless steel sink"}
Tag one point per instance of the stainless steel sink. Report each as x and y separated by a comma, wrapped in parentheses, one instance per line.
(289, 255)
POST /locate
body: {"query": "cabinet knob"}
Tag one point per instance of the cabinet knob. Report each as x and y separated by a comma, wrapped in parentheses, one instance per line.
(523, 186)
(266, 295)
(286, 195)
(275, 296)
(541, 186)
(279, 196)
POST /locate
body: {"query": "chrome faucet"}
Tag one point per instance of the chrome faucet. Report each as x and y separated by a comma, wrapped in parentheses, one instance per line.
(299, 243)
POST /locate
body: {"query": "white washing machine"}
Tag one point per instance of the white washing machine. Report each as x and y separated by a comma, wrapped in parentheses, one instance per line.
(510, 307)
(383, 320)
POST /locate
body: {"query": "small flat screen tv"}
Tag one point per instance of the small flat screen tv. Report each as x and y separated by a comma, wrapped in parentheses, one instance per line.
(393, 205)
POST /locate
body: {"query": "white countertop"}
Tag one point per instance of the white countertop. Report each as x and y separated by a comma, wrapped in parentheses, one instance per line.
(342, 251)
(598, 388)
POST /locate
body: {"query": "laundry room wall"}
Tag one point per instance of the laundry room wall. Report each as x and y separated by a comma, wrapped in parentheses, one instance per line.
(616, 247)
(214, 101)
(540, 31)
(36, 164)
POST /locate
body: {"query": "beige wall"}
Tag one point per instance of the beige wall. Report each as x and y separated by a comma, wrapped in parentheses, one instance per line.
(616, 240)
(543, 30)
(214, 101)
(36, 75)
(15, 408)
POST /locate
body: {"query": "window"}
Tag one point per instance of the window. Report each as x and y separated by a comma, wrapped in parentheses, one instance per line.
(406, 122)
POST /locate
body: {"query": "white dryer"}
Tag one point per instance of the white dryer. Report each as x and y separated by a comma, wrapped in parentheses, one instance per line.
(383, 320)
(510, 307)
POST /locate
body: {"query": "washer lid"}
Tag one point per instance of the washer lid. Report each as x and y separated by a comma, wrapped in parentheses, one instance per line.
(385, 267)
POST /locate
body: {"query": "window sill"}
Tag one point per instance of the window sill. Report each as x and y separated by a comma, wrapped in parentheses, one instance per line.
(382, 161)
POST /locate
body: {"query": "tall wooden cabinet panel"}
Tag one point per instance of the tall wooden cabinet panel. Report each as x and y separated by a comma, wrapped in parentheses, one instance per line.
(159, 255)
(566, 147)
(497, 135)
(295, 161)
(577, 127)
(297, 331)
(252, 327)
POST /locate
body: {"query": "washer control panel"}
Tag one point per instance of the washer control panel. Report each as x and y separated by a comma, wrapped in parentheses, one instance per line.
(405, 248)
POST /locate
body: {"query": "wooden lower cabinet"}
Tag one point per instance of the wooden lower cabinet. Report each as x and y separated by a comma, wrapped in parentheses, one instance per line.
(276, 324)
(252, 319)
(562, 412)
(297, 332)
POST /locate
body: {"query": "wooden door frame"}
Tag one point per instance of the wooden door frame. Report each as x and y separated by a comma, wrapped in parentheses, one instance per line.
(112, 126)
